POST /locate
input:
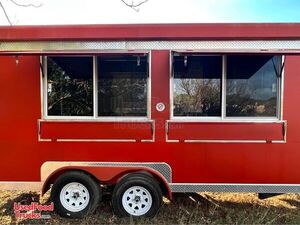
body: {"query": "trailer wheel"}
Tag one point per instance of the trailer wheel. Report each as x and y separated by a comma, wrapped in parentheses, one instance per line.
(75, 194)
(137, 195)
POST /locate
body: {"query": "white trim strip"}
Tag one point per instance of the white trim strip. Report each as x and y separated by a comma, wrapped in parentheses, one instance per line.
(225, 141)
(172, 141)
(95, 140)
(20, 186)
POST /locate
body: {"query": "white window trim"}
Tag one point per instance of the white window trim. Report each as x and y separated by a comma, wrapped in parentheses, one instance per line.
(95, 117)
(223, 117)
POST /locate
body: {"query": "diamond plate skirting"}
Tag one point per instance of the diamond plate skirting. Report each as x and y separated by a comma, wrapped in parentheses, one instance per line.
(42, 47)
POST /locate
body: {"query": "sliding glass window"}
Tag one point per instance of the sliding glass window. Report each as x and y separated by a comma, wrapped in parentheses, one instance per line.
(114, 85)
(227, 86)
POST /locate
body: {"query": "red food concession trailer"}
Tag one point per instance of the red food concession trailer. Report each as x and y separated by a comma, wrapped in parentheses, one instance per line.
(149, 110)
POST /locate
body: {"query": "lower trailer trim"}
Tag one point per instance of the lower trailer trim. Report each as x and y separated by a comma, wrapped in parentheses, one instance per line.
(179, 187)
(219, 187)
(20, 186)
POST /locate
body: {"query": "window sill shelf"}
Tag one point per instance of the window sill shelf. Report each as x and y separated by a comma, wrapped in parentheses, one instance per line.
(226, 120)
(95, 120)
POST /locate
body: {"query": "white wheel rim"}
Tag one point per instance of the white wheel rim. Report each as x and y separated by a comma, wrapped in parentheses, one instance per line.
(74, 197)
(137, 201)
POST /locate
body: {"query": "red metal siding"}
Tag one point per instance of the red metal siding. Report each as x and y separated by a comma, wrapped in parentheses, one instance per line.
(22, 154)
(160, 91)
(20, 107)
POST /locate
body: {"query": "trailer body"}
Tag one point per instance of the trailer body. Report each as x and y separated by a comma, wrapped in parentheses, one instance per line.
(186, 153)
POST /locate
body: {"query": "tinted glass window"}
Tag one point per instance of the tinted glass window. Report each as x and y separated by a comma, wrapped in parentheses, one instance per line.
(122, 86)
(70, 86)
(252, 85)
(197, 85)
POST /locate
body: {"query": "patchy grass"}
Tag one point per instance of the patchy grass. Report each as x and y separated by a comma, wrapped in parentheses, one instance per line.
(194, 208)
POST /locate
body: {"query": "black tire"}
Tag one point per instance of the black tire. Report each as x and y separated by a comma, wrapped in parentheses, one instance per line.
(136, 180)
(84, 179)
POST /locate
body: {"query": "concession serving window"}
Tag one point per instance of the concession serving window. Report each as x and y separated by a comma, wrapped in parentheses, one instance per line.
(96, 86)
(96, 97)
(226, 97)
(226, 86)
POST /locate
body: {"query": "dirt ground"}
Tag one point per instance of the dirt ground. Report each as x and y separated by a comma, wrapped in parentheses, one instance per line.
(202, 208)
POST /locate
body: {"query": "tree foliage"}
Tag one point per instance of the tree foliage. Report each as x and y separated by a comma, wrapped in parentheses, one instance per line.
(197, 97)
(17, 4)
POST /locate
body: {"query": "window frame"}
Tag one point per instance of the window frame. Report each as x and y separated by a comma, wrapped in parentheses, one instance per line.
(223, 117)
(94, 117)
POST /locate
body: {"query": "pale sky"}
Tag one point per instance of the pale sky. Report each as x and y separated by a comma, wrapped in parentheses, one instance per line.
(154, 11)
